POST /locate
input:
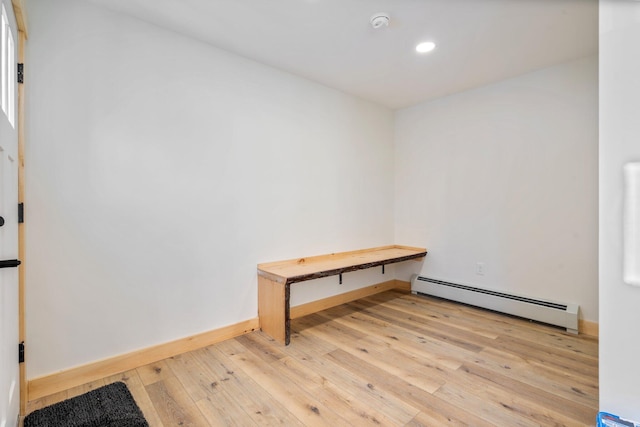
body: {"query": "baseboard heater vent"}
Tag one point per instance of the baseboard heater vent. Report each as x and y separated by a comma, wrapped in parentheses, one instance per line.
(553, 313)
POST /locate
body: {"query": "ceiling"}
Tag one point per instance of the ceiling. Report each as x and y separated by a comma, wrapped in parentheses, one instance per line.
(333, 43)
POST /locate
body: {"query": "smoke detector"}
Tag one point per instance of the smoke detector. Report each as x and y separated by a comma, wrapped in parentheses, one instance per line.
(379, 20)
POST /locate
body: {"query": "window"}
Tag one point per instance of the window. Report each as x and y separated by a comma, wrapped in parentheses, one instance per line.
(8, 69)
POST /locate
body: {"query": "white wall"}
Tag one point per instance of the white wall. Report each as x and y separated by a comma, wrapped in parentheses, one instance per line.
(506, 175)
(162, 170)
(619, 143)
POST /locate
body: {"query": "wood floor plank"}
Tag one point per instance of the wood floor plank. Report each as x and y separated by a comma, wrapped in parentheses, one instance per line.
(260, 405)
(396, 410)
(85, 388)
(500, 413)
(173, 405)
(415, 396)
(310, 352)
(339, 334)
(301, 403)
(230, 347)
(467, 316)
(139, 393)
(410, 337)
(154, 372)
(262, 348)
(418, 309)
(198, 381)
(499, 405)
(222, 410)
(423, 419)
(454, 310)
(445, 333)
(47, 401)
(581, 414)
(338, 399)
(562, 360)
(391, 359)
(301, 341)
(537, 375)
(370, 352)
(544, 361)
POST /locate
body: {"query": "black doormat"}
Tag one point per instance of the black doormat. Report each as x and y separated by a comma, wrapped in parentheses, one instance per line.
(108, 406)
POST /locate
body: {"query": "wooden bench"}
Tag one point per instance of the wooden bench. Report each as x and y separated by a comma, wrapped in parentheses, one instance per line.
(275, 280)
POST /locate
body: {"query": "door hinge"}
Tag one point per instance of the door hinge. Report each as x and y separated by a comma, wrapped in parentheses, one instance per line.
(20, 73)
(20, 213)
(21, 352)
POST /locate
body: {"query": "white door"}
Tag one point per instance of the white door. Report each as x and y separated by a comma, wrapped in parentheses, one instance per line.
(9, 370)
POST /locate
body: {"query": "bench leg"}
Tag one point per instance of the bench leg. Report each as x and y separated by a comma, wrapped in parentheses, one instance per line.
(273, 309)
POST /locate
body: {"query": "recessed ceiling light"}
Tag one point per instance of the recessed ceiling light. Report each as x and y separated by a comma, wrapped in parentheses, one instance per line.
(425, 47)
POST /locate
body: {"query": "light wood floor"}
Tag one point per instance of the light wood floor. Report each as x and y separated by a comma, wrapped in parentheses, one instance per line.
(393, 359)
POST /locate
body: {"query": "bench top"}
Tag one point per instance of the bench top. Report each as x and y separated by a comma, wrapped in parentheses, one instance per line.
(315, 267)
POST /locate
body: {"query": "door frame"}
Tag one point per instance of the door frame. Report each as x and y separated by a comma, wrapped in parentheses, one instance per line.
(21, 20)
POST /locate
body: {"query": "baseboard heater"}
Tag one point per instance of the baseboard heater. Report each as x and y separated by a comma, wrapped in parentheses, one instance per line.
(553, 313)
